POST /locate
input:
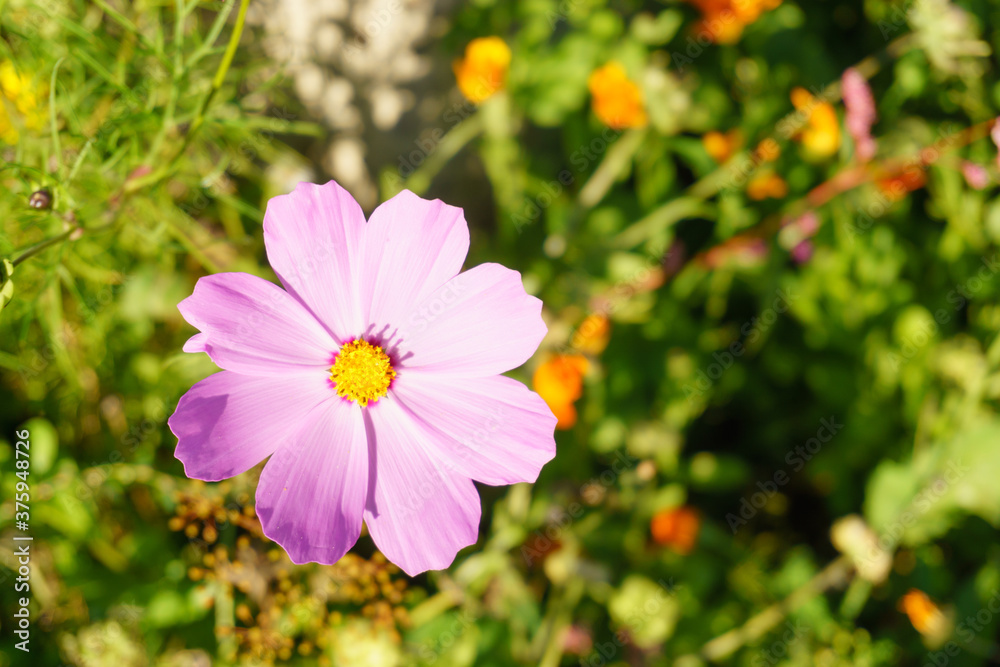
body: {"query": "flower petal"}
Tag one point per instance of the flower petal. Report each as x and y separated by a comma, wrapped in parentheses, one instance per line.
(196, 343)
(419, 514)
(312, 237)
(312, 491)
(228, 423)
(254, 327)
(412, 247)
(478, 324)
(494, 430)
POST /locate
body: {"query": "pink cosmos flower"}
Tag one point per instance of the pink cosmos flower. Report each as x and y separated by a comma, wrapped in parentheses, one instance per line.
(861, 113)
(372, 381)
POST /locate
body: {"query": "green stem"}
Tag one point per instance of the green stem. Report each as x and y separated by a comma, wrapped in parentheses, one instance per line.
(562, 618)
(199, 120)
(723, 646)
(39, 247)
(447, 148)
(178, 74)
(54, 117)
(615, 162)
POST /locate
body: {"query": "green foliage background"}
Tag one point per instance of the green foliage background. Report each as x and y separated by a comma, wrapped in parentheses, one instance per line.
(159, 156)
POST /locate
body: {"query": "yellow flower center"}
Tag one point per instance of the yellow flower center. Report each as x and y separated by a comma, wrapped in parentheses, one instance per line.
(362, 372)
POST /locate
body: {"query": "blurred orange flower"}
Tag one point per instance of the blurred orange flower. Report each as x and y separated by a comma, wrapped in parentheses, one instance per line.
(925, 616)
(767, 185)
(677, 528)
(738, 251)
(482, 71)
(722, 146)
(821, 135)
(593, 334)
(768, 150)
(724, 20)
(617, 100)
(897, 187)
(559, 381)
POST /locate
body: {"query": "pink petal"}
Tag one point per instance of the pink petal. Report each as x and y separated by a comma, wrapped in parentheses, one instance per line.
(412, 247)
(228, 423)
(861, 113)
(478, 324)
(419, 514)
(254, 327)
(196, 343)
(312, 237)
(494, 430)
(312, 491)
(975, 175)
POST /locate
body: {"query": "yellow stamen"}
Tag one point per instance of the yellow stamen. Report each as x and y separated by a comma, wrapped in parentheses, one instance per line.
(362, 372)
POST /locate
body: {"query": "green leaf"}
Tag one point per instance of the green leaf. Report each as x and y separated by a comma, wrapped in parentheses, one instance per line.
(921, 500)
(44, 444)
(649, 610)
(6, 283)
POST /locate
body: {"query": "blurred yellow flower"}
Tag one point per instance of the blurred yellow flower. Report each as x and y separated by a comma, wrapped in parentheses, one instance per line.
(676, 528)
(24, 95)
(767, 185)
(722, 146)
(821, 135)
(559, 381)
(482, 71)
(723, 21)
(593, 334)
(925, 616)
(617, 100)
(8, 133)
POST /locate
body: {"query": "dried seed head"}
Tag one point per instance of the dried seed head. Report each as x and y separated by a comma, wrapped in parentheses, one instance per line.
(41, 199)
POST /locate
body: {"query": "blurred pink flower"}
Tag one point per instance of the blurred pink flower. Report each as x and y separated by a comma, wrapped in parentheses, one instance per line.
(861, 113)
(798, 230)
(577, 640)
(975, 175)
(995, 135)
(803, 252)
